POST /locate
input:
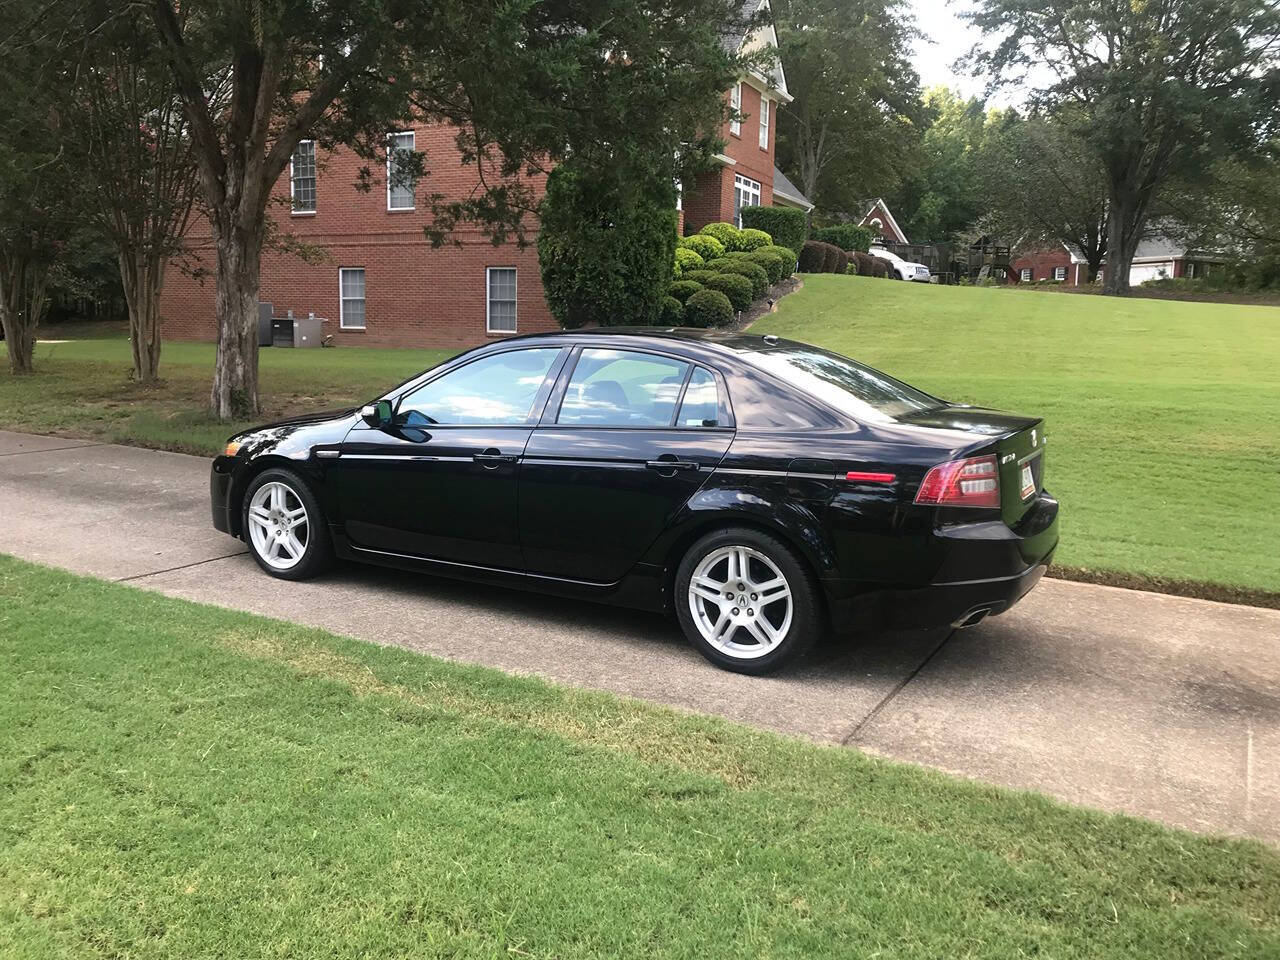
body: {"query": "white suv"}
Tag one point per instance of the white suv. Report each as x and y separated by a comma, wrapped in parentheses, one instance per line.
(905, 269)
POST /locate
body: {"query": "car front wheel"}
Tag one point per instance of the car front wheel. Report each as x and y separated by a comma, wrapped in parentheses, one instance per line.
(284, 526)
(746, 601)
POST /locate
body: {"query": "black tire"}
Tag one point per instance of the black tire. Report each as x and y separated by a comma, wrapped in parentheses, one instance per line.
(807, 613)
(317, 555)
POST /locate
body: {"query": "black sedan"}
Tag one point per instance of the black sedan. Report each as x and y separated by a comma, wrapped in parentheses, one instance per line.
(762, 489)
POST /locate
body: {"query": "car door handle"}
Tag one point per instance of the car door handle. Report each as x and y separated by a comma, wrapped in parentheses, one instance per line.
(672, 465)
(492, 458)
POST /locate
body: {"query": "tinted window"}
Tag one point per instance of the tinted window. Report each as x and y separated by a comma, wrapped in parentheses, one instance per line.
(619, 388)
(701, 405)
(859, 391)
(499, 389)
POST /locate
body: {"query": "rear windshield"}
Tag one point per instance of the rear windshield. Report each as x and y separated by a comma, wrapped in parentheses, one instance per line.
(852, 388)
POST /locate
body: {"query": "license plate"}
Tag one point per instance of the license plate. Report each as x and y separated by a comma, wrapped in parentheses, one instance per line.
(1028, 481)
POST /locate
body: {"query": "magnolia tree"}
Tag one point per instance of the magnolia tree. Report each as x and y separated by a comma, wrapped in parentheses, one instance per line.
(524, 84)
(1155, 89)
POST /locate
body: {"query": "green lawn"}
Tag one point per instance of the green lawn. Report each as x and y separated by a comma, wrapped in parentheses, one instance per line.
(181, 781)
(1163, 417)
(81, 388)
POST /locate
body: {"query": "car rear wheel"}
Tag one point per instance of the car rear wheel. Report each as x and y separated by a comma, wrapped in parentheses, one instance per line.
(746, 601)
(284, 526)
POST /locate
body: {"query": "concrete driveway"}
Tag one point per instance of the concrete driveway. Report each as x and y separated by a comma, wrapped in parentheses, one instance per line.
(1154, 705)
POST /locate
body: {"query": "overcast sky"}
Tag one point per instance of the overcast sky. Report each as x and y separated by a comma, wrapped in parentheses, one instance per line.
(951, 38)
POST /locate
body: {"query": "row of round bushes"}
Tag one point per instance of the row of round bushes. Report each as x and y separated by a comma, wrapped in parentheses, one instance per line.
(720, 270)
(819, 257)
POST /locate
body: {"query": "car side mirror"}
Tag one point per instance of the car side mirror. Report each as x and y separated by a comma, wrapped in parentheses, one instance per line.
(377, 414)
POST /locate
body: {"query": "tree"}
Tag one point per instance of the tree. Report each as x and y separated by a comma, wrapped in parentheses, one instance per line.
(38, 209)
(1156, 88)
(1041, 185)
(525, 84)
(121, 121)
(851, 126)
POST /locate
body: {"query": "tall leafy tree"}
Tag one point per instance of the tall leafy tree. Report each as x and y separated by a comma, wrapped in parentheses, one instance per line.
(525, 83)
(1157, 88)
(1040, 185)
(851, 127)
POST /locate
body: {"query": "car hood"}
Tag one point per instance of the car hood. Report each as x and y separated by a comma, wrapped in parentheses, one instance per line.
(304, 419)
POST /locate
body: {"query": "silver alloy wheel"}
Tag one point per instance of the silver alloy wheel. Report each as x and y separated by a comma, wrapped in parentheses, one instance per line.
(278, 525)
(740, 601)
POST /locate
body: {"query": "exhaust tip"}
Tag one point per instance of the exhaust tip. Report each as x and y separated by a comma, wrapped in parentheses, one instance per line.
(972, 618)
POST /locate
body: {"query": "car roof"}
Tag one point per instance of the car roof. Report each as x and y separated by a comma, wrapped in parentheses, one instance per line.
(729, 341)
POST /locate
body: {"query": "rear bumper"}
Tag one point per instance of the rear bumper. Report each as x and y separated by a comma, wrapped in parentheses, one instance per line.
(985, 567)
(220, 475)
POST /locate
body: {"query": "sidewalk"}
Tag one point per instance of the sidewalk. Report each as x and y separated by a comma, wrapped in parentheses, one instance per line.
(1154, 705)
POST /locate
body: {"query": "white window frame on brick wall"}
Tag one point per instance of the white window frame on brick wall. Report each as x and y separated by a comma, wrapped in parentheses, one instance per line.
(294, 179)
(343, 299)
(735, 101)
(392, 145)
(1060, 273)
(488, 300)
(744, 187)
(764, 123)
(1025, 274)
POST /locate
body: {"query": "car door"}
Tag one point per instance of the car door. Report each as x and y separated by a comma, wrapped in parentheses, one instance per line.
(625, 441)
(440, 480)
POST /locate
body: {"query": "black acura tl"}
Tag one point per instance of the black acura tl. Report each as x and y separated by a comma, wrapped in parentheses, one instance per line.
(762, 489)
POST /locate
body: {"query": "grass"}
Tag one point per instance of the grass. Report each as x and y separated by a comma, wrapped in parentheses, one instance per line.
(182, 781)
(81, 388)
(1163, 417)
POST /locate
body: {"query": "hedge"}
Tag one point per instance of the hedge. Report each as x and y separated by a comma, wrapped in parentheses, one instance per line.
(708, 308)
(726, 233)
(880, 267)
(788, 226)
(707, 247)
(846, 236)
(744, 268)
(685, 260)
(700, 276)
(788, 259)
(754, 239)
(864, 263)
(672, 314)
(605, 257)
(682, 290)
(831, 258)
(733, 285)
(813, 256)
(842, 263)
(772, 263)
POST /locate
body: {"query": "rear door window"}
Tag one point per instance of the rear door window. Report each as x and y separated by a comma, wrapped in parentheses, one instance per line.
(622, 388)
(701, 404)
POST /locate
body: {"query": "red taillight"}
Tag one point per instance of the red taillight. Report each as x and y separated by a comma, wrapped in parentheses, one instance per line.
(962, 483)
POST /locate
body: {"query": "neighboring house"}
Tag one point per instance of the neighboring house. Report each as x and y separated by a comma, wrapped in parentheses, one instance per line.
(1154, 259)
(881, 221)
(382, 284)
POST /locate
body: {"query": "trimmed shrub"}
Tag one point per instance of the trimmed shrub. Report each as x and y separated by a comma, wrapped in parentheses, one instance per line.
(788, 259)
(672, 314)
(754, 239)
(685, 260)
(708, 308)
(864, 262)
(726, 233)
(812, 255)
(605, 257)
(744, 268)
(682, 290)
(846, 236)
(770, 262)
(788, 226)
(842, 265)
(831, 258)
(707, 247)
(733, 285)
(700, 276)
(880, 267)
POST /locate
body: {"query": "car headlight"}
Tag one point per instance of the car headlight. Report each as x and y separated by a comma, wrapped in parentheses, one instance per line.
(230, 449)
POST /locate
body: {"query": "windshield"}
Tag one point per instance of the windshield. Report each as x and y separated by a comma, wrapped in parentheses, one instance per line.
(852, 388)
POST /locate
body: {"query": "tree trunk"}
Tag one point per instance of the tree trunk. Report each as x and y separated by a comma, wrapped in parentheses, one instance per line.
(1124, 227)
(1093, 265)
(22, 303)
(235, 374)
(143, 280)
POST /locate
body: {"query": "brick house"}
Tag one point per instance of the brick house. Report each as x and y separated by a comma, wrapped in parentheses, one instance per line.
(1155, 257)
(879, 218)
(380, 283)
